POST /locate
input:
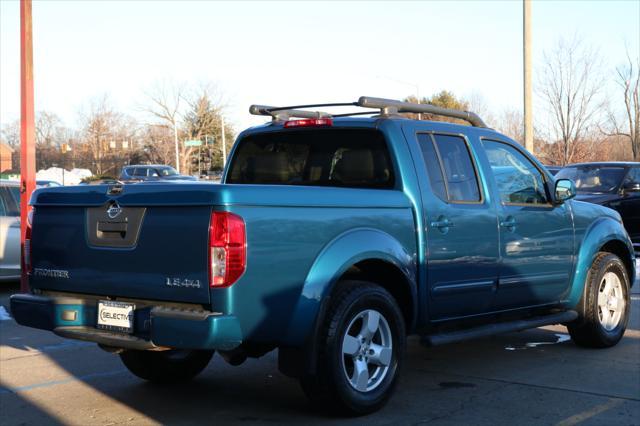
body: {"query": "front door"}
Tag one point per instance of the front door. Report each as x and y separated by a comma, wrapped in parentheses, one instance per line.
(536, 237)
(629, 207)
(461, 229)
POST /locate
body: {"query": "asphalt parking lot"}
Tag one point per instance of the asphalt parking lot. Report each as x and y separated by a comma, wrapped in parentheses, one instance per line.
(532, 377)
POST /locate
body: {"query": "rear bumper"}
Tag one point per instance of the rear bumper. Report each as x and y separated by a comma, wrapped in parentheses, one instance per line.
(155, 327)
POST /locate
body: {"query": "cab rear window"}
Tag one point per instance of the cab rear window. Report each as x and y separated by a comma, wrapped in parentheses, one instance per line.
(355, 158)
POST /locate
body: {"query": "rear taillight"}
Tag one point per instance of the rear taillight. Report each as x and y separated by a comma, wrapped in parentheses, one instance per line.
(227, 249)
(309, 122)
(27, 243)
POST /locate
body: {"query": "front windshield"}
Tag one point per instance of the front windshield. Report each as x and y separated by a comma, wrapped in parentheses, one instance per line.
(593, 178)
(167, 171)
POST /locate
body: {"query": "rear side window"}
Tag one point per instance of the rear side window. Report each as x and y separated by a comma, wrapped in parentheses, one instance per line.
(450, 167)
(432, 164)
(354, 158)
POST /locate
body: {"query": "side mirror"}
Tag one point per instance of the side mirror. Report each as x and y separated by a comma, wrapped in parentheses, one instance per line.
(565, 190)
(631, 187)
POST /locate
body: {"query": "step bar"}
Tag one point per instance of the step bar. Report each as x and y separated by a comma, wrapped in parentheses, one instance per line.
(498, 328)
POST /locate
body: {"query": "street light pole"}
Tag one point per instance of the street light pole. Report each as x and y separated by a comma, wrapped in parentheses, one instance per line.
(528, 102)
(27, 130)
(224, 143)
(175, 140)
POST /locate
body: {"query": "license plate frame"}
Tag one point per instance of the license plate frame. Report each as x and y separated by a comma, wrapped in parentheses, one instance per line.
(109, 316)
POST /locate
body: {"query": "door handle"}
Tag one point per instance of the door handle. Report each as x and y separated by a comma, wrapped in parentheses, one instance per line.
(509, 223)
(442, 223)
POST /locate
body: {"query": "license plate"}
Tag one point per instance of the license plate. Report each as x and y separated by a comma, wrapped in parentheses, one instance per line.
(117, 316)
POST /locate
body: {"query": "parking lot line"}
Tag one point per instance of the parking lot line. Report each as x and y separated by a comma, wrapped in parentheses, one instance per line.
(581, 417)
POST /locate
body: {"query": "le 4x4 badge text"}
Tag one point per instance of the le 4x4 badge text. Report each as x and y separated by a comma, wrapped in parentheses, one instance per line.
(182, 282)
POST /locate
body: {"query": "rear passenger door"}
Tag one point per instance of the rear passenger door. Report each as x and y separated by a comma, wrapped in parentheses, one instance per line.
(461, 228)
(536, 237)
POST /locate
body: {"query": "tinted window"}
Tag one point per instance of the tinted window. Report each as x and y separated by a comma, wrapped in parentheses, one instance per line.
(3, 208)
(139, 171)
(10, 200)
(519, 181)
(433, 166)
(593, 177)
(459, 172)
(633, 176)
(167, 171)
(329, 157)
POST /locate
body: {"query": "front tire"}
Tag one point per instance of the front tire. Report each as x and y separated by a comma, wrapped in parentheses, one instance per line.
(172, 366)
(604, 305)
(362, 343)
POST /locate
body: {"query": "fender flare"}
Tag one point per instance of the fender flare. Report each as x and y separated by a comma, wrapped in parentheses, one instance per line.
(331, 263)
(601, 232)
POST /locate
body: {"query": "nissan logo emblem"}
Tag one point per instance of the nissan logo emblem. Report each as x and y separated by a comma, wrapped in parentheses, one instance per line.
(114, 210)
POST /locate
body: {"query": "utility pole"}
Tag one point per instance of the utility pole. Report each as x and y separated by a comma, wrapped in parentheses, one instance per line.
(224, 143)
(175, 140)
(27, 130)
(528, 102)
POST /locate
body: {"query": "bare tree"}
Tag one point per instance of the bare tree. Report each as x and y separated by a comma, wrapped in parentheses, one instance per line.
(477, 103)
(49, 129)
(11, 134)
(570, 85)
(165, 102)
(104, 131)
(158, 144)
(510, 123)
(628, 78)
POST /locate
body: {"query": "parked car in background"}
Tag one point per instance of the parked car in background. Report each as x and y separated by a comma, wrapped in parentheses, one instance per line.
(153, 172)
(553, 169)
(9, 230)
(612, 184)
(47, 183)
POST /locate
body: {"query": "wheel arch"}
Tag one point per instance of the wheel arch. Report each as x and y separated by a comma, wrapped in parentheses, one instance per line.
(363, 253)
(620, 249)
(605, 234)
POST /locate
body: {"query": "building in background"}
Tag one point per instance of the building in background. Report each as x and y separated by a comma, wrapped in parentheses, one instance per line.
(6, 156)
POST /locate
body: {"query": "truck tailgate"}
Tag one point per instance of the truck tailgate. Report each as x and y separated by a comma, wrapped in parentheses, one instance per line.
(128, 246)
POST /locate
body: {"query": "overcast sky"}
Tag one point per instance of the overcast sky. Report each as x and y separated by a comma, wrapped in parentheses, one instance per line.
(294, 52)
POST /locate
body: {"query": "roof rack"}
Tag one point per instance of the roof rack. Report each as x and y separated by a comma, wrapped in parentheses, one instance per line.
(384, 107)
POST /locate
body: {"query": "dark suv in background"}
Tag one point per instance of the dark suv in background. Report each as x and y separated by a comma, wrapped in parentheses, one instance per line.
(611, 184)
(152, 172)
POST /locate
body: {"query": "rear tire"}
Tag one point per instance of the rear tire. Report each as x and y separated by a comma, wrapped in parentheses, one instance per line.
(604, 306)
(171, 366)
(362, 343)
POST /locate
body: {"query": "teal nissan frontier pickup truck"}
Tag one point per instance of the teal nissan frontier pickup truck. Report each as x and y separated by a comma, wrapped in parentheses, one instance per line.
(331, 238)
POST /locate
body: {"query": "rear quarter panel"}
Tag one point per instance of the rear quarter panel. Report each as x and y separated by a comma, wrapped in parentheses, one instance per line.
(285, 241)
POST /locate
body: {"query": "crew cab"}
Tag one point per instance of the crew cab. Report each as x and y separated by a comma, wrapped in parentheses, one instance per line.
(331, 238)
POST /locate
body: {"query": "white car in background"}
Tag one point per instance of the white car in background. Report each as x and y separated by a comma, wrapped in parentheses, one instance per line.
(9, 230)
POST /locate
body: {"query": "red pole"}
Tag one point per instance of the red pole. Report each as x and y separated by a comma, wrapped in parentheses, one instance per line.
(27, 127)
